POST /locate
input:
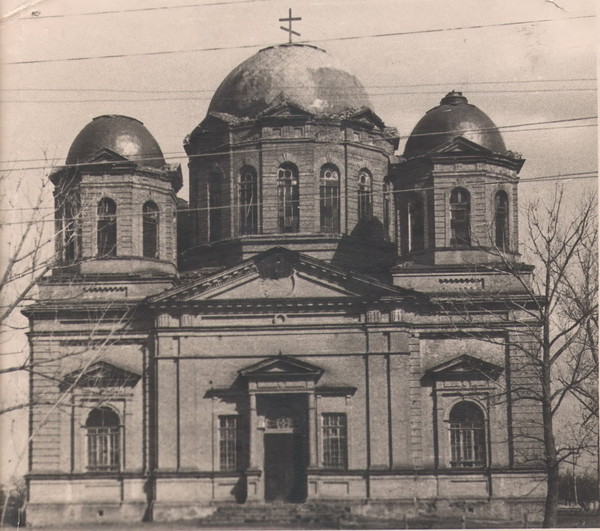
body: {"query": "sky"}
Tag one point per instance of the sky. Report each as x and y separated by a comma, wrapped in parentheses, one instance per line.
(173, 54)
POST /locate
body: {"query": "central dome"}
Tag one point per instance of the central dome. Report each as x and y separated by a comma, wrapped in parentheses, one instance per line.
(297, 74)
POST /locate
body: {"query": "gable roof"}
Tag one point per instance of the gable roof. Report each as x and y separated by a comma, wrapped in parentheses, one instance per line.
(278, 263)
(464, 367)
(101, 374)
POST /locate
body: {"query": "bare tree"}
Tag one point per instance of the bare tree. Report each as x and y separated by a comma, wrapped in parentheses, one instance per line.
(28, 231)
(557, 309)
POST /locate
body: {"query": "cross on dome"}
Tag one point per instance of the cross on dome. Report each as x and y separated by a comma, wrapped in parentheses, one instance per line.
(289, 29)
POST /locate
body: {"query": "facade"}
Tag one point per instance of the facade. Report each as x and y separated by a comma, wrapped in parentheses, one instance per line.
(324, 321)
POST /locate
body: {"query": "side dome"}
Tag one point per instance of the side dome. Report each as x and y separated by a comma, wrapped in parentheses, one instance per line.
(453, 117)
(301, 75)
(125, 136)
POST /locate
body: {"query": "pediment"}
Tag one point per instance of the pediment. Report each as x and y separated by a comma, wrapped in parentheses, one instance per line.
(101, 374)
(284, 109)
(366, 116)
(106, 155)
(281, 274)
(465, 367)
(282, 368)
(461, 145)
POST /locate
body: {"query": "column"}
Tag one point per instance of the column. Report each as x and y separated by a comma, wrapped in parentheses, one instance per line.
(312, 432)
(252, 435)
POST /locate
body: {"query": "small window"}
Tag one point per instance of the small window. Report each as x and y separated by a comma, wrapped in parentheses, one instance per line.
(460, 218)
(288, 199)
(501, 220)
(387, 208)
(277, 131)
(467, 436)
(103, 440)
(356, 136)
(298, 132)
(107, 228)
(230, 442)
(71, 229)
(215, 207)
(150, 230)
(365, 195)
(329, 199)
(335, 441)
(411, 222)
(248, 201)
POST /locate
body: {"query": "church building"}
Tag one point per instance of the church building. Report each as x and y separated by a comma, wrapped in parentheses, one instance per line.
(323, 321)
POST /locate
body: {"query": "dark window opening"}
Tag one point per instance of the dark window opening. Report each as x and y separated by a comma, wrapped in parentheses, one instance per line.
(365, 196)
(150, 218)
(288, 199)
(107, 228)
(329, 199)
(71, 230)
(335, 441)
(501, 220)
(411, 222)
(215, 207)
(387, 208)
(103, 440)
(460, 218)
(248, 201)
(467, 436)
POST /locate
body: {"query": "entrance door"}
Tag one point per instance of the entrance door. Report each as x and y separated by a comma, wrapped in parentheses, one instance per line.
(285, 467)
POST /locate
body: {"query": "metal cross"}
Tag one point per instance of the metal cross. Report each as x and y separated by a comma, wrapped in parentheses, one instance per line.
(289, 29)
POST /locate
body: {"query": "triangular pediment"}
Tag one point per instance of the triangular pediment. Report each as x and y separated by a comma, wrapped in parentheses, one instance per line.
(465, 367)
(461, 145)
(101, 374)
(282, 367)
(284, 109)
(366, 116)
(106, 155)
(281, 274)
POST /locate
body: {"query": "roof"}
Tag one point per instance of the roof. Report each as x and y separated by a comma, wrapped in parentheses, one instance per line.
(453, 117)
(122, 135)
(297, 74)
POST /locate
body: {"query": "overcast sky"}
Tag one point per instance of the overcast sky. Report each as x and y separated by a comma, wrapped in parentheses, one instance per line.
(517, 73)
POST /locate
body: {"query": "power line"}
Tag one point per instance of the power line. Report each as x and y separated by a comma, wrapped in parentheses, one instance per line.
(176, 154)
(404, 93)
(195, 90)
(140, 9)
(247, 46)
(564, 177)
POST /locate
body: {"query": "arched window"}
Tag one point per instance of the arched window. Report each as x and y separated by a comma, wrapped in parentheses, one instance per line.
(365, 195)
(150, 229)
(329, 199)
(288, 199)
(411, 222)
(387, 208)
(71, 229)
(501, 220)
(215, 210)
(467, 436)
(107, 227)
(460, 217)
(103, 440)
(248, 201)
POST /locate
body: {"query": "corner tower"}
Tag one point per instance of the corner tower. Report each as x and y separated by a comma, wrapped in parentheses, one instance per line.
(115, 204)
(290, 153)
(456, 192)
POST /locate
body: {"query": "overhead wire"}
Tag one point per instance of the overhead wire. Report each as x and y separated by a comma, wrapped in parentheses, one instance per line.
(177, 155)
(212, 90)
(574, 176)
(330, 39)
